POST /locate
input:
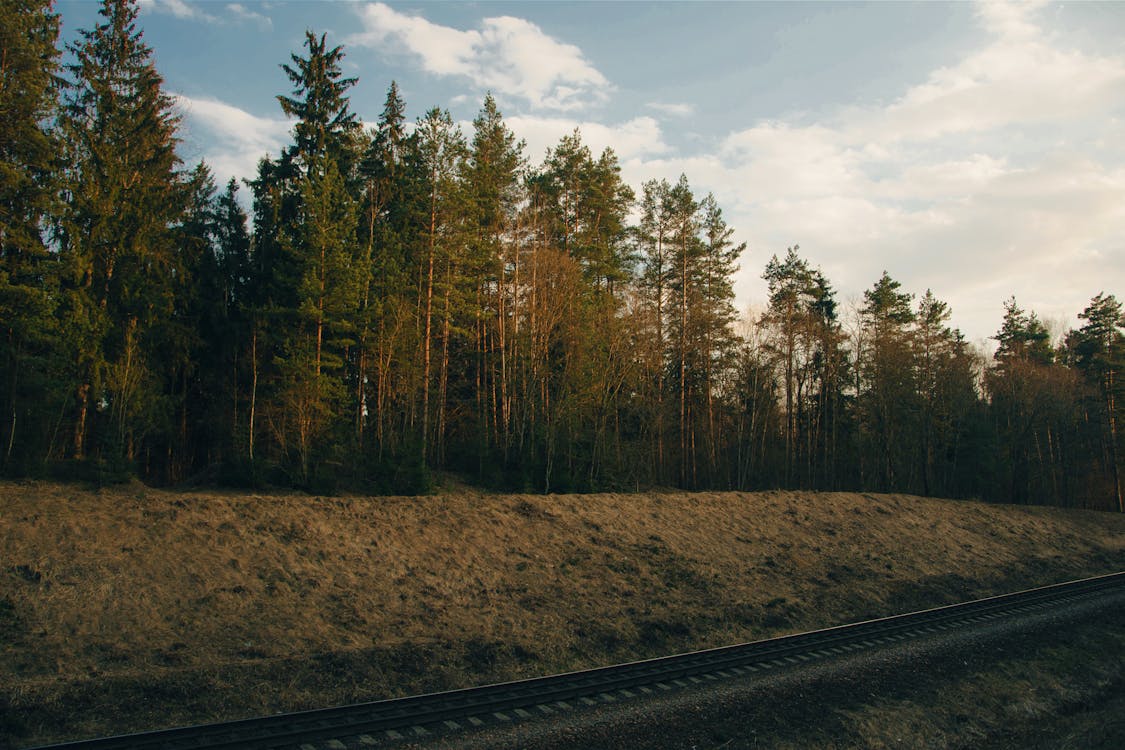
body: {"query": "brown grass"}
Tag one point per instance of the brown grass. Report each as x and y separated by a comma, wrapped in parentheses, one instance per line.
(1064, 696)
(174, 608)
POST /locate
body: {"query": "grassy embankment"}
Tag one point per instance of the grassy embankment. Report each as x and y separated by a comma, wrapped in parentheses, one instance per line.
(134, 608)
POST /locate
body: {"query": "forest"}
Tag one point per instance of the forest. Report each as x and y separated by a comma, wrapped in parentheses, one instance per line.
(381, 304)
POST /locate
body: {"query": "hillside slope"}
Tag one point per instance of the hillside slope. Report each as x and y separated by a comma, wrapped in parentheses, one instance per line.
(135, 608)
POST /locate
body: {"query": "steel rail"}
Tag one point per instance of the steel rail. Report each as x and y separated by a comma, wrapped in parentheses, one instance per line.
(435, 709)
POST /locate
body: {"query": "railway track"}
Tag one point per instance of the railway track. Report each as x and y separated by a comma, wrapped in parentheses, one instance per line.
(417, 716)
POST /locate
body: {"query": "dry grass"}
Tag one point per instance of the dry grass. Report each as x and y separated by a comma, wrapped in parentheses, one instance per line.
(205, 606)
(1063, 696)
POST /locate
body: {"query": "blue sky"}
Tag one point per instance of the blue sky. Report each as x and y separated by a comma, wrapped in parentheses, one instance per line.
(974, 149)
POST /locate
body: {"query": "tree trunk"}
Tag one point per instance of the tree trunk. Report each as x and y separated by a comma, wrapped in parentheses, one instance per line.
(253, 390)
(426, 346)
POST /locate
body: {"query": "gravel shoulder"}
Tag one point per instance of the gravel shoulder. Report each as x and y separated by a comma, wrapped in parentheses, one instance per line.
(1046, 680)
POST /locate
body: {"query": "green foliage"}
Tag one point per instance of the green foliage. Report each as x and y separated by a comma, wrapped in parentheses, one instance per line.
(1023, 338)
(803, 342)
(118, 249)
(29, 336)
(409, 302)
(318, 103)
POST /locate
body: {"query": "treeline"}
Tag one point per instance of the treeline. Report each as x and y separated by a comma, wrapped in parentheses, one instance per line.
(408, 298)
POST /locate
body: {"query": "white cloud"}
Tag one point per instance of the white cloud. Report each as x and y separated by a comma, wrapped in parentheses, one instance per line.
(636, 139)
(236, 139)
(1019, 78)
(245, 14)
(179, 9)
(997, 174)
(510, 56)
(680, 109)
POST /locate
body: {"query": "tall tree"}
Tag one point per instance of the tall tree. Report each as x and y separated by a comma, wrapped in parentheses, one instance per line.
(790, 296)
(655, 236)
(309, 259)
(887, 402)
(124, 195)
(945, 378)
(586, 204)
(702, 292)
(1024, 386)
(221, 312)
(1099, 349)
(492, 175)
(28, 273)
(439, 149)
(802, 338)
(382, 236)
(319, 105)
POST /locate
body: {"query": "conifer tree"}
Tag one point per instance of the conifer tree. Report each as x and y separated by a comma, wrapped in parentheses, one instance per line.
(221, 315)
(319, 105)
(1099, 352)
(124, 195)
(309, 259)
(792, 297)
(382, 234)
(28, 271)
(715, 341)
(438, 150)
(586, 205)
(1022, 337)
(1022, 383)
(945, 381)
(655, 240)
(886, 402)
(492, 174)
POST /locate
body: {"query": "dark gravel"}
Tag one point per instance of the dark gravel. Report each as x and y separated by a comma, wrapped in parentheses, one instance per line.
(797, 707)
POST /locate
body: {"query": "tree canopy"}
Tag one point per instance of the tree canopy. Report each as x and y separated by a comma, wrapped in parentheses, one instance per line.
(391, 301)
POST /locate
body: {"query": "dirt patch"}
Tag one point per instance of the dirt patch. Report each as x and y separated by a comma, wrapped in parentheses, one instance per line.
(134, 608)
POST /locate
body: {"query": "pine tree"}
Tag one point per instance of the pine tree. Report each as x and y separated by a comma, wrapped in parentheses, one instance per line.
(607, 203)
(28, 271)
(887, 401)
(655, 244)
(1025, 386)
(492, 175)
(382, 236)
(439, 149)
(1099, 349)
(586, 205)
(714, 342)
(792, 297)
(946, 374)
(1022, 337)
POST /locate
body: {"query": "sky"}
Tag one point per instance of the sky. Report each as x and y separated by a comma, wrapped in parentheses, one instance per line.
(977, 150)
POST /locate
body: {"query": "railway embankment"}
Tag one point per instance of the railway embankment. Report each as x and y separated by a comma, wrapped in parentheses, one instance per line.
(133, 608)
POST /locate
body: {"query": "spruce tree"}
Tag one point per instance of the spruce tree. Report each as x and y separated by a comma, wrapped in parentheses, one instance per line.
(28, 271)
(321, 273)
(124, 195)
(319, 105)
